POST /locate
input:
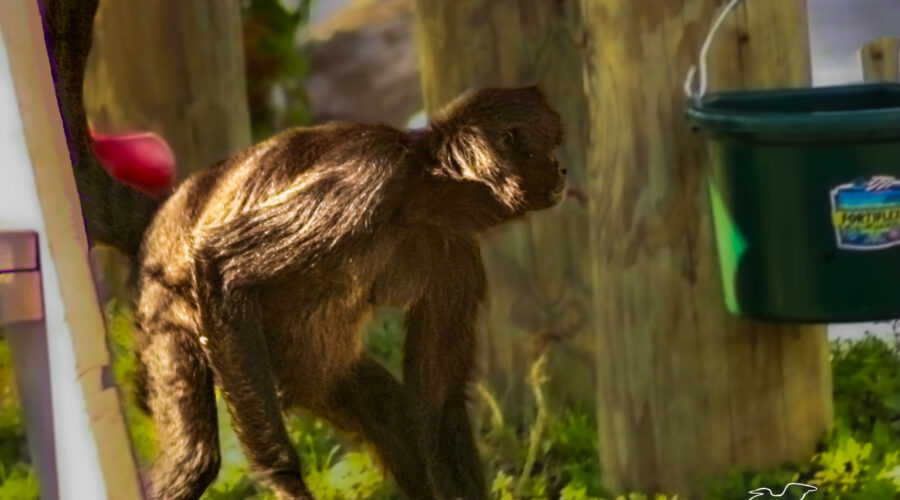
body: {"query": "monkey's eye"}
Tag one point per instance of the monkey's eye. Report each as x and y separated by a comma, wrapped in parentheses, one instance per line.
(507, 138)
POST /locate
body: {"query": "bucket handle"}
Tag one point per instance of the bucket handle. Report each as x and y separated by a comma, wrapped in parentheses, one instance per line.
(696, 83)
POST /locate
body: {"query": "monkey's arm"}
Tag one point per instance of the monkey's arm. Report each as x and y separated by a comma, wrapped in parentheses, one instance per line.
(439, 356)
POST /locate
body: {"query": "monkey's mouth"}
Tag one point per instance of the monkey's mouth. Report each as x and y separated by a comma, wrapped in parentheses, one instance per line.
(551, 198)
(558, 193)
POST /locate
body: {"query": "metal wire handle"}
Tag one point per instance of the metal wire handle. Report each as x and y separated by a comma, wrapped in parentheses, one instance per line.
(694, 87)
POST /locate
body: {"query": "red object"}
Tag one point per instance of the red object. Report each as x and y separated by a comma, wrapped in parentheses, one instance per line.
(142, 159)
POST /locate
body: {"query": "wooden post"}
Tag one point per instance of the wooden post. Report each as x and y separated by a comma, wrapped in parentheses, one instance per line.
(685, 391)
(23, 35)
(538, 269)
(175, 68)
(880, 60)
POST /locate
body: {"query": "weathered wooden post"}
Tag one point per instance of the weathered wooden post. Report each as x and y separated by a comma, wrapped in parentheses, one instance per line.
(685, 391)
(881, 60)
(538, 270)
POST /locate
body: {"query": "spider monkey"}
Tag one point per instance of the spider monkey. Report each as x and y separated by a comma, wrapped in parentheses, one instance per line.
(256, 273)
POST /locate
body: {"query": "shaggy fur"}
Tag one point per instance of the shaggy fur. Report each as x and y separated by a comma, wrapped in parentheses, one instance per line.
(256, 274)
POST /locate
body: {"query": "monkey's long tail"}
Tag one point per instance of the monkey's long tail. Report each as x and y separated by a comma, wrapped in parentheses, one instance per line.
(114, 213)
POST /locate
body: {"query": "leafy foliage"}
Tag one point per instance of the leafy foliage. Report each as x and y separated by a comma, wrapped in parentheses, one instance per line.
(383, 338)
(860, 458)
(122, 350)
(274, 64)
(17, 479)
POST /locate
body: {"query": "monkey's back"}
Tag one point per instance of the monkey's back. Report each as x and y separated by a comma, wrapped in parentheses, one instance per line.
(295, 170)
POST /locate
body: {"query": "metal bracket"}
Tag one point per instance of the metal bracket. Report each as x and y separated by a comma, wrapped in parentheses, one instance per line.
(24, 329)
(20, 278)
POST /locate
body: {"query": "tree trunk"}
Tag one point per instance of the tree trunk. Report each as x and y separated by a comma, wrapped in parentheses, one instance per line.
(685, 391)
(538, 274)
(175, 68)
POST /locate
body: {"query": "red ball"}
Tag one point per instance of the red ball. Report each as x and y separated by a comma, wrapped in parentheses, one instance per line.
(142, 159)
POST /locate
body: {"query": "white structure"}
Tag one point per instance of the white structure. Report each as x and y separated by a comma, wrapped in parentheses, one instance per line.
(78, 474)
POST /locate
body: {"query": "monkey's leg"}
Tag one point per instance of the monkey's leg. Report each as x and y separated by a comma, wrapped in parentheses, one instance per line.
(370, 401)
(237, 351)
(439, 354)
(180, 396)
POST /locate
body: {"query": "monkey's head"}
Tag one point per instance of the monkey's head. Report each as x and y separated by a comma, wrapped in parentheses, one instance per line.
(504, 139)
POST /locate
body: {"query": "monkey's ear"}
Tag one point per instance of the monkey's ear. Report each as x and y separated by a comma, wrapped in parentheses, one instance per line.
(463, 152)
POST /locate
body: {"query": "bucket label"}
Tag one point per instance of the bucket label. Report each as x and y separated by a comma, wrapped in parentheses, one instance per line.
(866, 213)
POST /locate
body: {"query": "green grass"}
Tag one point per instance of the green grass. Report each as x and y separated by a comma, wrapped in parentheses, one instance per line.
(17, 479)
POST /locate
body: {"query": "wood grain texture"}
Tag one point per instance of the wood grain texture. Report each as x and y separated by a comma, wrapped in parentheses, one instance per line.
(538, 269)
(181, 76)
(23, 35)
(881, 60)
(685, 391)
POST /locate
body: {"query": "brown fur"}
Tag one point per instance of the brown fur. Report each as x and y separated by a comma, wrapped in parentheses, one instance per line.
(258, 271)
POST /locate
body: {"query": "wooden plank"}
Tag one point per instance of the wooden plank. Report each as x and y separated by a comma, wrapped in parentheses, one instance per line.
(22, 32)
(880, 60)
(685, 391)
(538, 271)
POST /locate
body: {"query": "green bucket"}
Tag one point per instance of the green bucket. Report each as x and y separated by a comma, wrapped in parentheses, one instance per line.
(805, 195)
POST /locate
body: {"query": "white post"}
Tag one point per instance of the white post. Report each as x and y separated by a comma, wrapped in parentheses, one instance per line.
(77, 469)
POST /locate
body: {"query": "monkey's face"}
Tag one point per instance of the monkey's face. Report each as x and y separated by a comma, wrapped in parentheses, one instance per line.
(505, 139)
(524, 132)
(530, 156)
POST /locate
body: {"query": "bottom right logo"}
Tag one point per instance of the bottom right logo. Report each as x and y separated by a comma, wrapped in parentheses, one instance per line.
(798, 491)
